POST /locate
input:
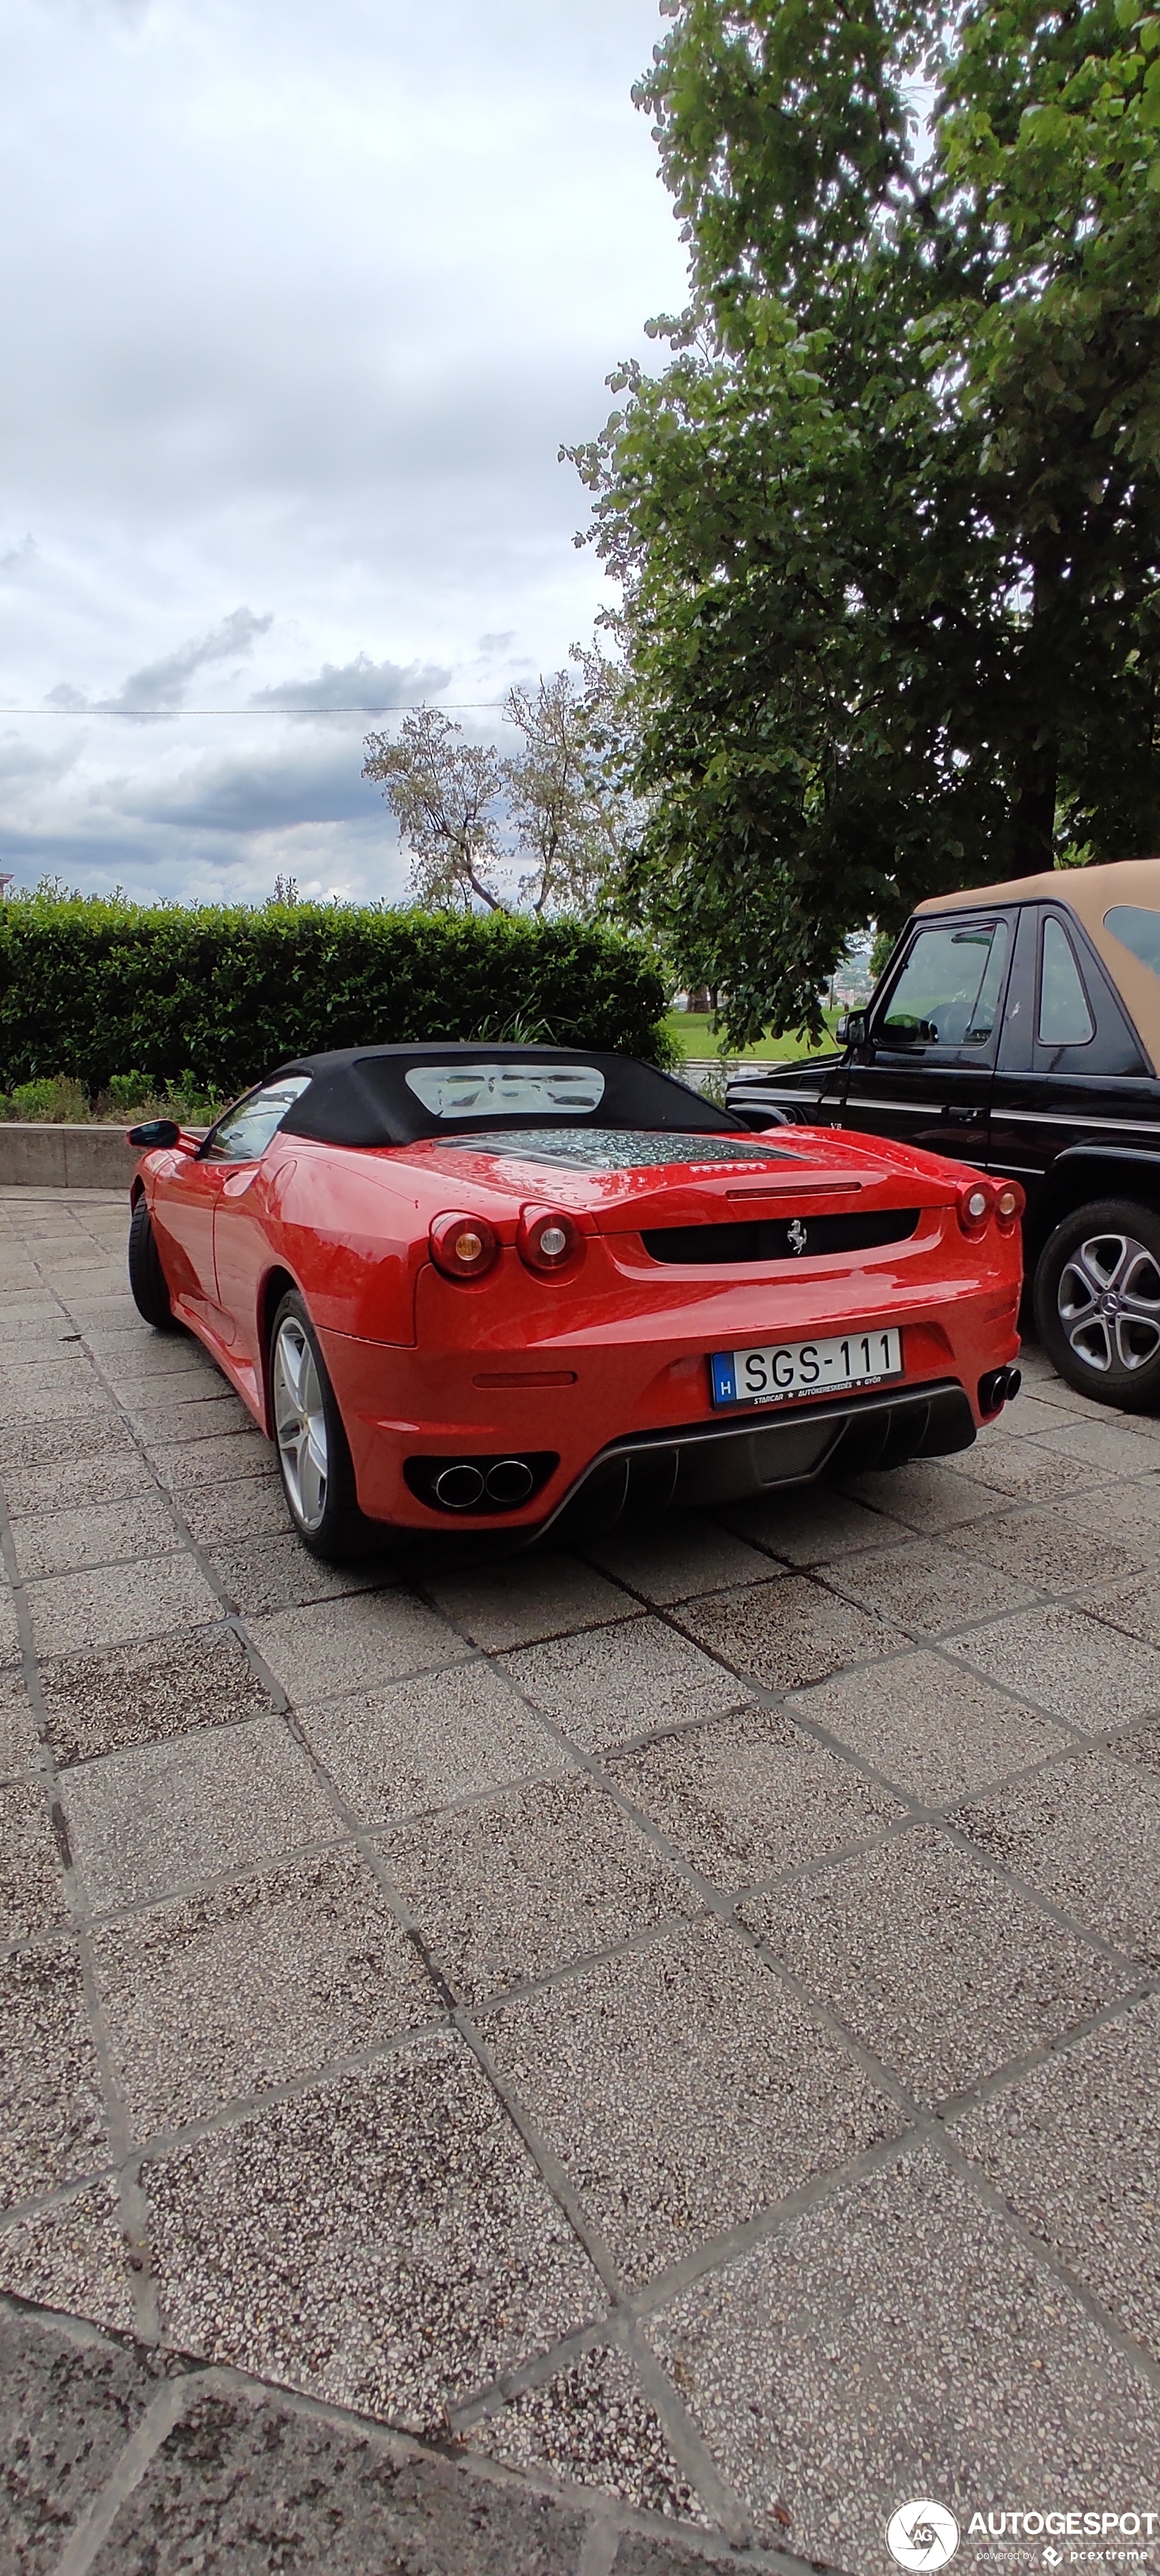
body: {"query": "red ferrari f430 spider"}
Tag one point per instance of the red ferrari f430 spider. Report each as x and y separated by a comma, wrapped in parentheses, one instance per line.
(488, 1285)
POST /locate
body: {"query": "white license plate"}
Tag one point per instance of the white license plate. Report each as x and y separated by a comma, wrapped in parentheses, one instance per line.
(777, 1370)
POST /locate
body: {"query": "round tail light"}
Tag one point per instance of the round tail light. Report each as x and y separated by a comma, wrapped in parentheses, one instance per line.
(463, 1247)
(548, 1240)
(1010, 1201)
(976, 1202)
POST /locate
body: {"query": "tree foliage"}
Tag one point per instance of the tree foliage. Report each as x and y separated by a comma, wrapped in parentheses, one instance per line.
(888, 523)
(542, 829)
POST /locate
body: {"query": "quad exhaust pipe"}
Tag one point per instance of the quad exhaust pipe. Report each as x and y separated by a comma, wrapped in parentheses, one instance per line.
(463, 1487)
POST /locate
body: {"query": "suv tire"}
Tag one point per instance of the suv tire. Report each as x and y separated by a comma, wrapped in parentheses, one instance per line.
(1097, 1302)
(146, 1276)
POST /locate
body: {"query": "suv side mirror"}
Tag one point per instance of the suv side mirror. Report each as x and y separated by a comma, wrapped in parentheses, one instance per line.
(851, 1031)
(154, 1132)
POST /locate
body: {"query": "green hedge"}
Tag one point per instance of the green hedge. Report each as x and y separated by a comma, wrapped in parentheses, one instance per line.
(91, 988)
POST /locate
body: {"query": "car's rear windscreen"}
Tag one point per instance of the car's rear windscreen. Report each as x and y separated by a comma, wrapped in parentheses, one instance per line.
(399, 1094)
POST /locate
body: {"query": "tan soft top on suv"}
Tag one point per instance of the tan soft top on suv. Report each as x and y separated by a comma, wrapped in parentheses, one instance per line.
(1095, 895)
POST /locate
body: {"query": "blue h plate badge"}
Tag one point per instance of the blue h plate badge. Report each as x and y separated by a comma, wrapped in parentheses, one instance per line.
(724, 1378)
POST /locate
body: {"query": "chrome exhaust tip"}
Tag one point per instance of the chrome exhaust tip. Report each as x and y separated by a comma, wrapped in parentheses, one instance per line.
(458, 1487)
(509, 1481)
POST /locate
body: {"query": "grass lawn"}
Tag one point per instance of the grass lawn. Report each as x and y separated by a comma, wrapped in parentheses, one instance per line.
(693, 1030)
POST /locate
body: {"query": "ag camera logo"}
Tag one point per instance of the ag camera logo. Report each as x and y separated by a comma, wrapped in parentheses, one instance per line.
(922, 2535)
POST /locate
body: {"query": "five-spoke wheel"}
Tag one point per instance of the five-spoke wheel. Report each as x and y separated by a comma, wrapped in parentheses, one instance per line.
(1097, 1302)
(315, 1462)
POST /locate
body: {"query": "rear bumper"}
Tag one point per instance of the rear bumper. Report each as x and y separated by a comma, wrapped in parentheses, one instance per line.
(699, 1465)
(616, 1422)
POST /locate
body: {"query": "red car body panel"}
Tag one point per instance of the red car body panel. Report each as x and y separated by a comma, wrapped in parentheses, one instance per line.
(616, 1347)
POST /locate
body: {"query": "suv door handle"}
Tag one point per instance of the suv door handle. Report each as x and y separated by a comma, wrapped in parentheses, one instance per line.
(964, 1117)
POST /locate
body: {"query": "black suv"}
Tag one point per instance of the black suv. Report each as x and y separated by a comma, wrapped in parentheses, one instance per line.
(1017, 1027)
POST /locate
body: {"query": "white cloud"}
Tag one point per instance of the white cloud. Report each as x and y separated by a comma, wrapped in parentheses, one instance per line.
(298, 309)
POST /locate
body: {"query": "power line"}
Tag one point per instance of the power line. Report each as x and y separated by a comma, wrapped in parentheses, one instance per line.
(169, 715)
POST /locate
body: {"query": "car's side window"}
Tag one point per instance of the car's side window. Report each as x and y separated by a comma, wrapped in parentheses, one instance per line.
(948, 992)
(1065, 1017)
(244, 1133)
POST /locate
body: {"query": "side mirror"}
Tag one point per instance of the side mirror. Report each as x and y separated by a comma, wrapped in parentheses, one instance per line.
(154, 1132)
(851, 1031)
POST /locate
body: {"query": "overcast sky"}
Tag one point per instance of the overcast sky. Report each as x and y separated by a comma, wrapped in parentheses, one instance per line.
(299, 302)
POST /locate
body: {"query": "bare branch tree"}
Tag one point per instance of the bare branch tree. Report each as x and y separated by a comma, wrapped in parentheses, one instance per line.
(443, 793)
(567, 810)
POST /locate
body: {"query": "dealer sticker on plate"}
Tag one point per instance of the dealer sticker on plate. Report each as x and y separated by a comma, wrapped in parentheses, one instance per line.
(781, 1369)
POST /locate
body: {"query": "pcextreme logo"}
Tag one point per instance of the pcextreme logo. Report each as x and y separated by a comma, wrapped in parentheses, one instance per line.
(922, 2534)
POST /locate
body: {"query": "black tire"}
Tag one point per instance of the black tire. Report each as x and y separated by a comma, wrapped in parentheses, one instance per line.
(1097, 1302)
(146, 1276)
(313, 1453)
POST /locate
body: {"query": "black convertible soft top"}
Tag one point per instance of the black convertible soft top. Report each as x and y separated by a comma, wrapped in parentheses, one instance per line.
(393, 1095)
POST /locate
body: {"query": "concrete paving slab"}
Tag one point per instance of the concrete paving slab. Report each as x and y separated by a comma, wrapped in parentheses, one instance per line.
(594, 2410)
(750, 1798)
(612, 1684)
(19, 1743)
(353, 1644)
(413, 1745)
(684, 2090)
(156, 1819)
(137, 1527)
(812, 1523)
(1070, 1664)
(684, 1556)
(246, 1987)
(1057, 1546)
(238, 1512)
(32, 1897)
(785, 1633)
(1071, 1832)
(9, 1630)
(64, 1484)
(71, 2255)
(184, 1466)
(465, 2265)
(854, 2346)
(514, 1887)
(273, 1573)
(933, 1730)
(924, 1587)
(145, 1692)
(517, 1603)
(52, 2123)
(1073, 2147)
(944, 1973)
(928, 1495)
(112, 1604)
(245, 2487)
(69, 2406)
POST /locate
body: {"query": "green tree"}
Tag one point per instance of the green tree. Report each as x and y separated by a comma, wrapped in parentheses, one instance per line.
(888, 523)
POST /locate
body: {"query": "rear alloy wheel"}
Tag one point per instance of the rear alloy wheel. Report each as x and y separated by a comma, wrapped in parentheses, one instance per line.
(146, 1276)
(1097, 1302)
(313, 1456)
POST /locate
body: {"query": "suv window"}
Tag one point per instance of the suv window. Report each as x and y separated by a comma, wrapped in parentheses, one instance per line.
(948, 992)
(244, 1133)
(1064, 1016)
(1139, 929)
